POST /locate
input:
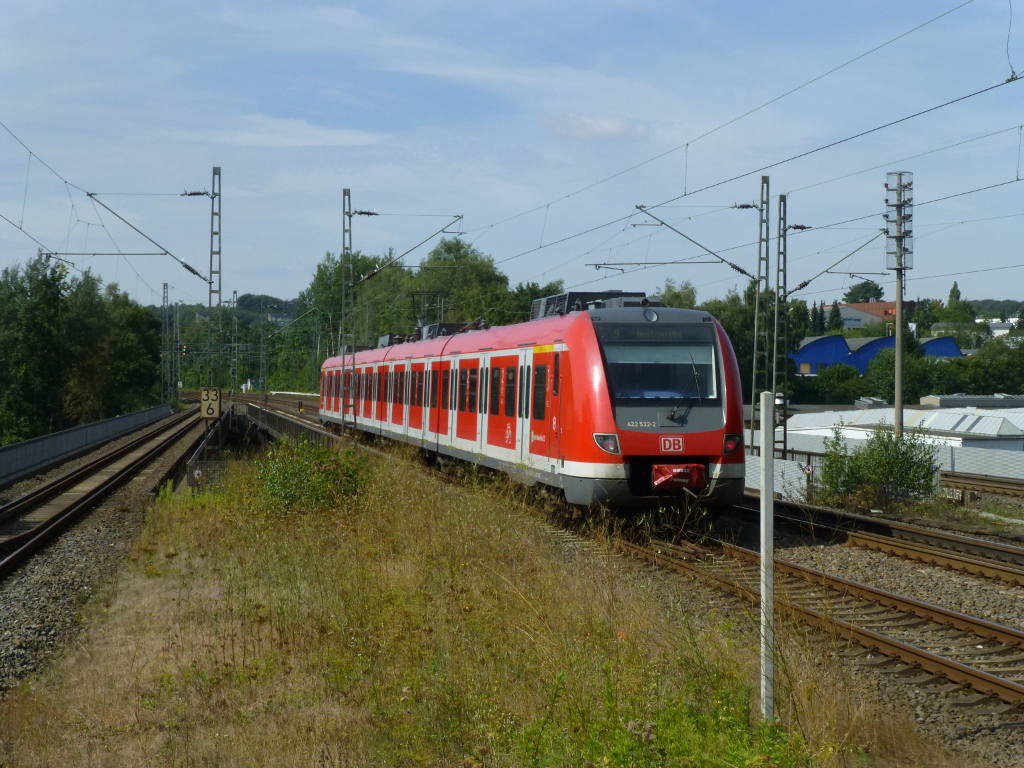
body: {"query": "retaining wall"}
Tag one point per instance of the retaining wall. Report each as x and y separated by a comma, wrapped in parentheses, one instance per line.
(22, 459)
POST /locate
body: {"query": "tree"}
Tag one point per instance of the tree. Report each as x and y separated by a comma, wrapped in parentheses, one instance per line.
(866, 291)
(835, 318)
(884, 471)
(683, 295)
(70, 351)
(839, 383)
(954, 296)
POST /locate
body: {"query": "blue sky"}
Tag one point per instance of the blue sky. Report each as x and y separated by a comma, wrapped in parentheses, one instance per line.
(489, 110)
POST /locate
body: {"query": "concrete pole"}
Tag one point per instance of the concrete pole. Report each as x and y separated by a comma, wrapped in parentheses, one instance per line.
(898, 393)
(767, 555)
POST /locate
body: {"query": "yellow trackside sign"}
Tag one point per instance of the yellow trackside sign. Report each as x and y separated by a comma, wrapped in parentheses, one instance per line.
(209, 403)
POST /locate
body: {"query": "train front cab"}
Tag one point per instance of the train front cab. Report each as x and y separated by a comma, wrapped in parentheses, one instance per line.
(674, 427)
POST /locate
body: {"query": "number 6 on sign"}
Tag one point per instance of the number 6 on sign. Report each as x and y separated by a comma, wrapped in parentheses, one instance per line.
(209, 403)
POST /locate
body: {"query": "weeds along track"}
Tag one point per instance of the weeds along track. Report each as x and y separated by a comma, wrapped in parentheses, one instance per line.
(951, 649)
(30, 521)
(968, 554)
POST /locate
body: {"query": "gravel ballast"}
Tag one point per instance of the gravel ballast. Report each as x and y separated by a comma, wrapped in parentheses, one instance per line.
(40, 602)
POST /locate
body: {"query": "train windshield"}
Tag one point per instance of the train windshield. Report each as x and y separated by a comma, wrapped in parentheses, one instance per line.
(659, 362)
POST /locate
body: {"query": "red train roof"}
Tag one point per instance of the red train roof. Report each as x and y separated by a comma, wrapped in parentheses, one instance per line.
(547, 330)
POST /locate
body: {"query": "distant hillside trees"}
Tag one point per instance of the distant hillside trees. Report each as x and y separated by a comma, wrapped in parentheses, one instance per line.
(71, 351)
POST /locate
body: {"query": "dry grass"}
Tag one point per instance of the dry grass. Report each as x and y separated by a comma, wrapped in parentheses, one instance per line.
(415, 624)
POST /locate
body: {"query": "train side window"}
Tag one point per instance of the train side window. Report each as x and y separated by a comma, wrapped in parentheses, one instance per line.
(495, 391)
(526, 391)
(471, 399)
(554, 374)
(446, 386)
(421, 380)
(415, 399)
(510, 391)
(483, 390)
(519, 392)
(433, 388)
(540, 384)
(463, 386)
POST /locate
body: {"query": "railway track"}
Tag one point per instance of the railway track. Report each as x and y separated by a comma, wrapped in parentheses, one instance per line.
(30, 521)
(967, 554)
(1001, 486)
(951, 649)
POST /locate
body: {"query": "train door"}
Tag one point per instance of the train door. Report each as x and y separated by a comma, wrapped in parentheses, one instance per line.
(468, 393)
(416, 399)
(381, 392)
(543, 413)
(523, 404)
(502, 427)
(444, 398)
(397, 402)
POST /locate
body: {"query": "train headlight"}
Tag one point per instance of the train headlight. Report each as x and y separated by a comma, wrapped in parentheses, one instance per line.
(731, 444)
(609, 443)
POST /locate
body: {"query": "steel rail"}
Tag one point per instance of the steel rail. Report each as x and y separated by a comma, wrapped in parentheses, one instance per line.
(20, 505)
(951, 550)
(23, 544)
(1002, 486)
(1006, 690)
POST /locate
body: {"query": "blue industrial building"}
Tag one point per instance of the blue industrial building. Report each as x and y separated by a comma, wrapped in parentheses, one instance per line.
(816, 353)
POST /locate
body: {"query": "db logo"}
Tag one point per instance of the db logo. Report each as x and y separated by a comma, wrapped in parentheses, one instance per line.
(671, 445)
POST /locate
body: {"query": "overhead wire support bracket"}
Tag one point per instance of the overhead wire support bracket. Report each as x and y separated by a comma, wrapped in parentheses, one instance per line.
(737, 267)
(827, 269)
(164, 252)
(402, 255)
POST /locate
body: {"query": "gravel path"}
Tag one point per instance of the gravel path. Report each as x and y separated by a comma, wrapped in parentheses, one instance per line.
(40, 602)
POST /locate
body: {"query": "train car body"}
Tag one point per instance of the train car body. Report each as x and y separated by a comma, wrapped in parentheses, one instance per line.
(614, 406)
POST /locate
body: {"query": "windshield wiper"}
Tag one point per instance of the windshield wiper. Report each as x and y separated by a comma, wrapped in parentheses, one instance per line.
(687, 399)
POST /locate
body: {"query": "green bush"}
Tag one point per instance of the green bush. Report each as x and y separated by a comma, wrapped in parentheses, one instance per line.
(878, 475)
(293, 478)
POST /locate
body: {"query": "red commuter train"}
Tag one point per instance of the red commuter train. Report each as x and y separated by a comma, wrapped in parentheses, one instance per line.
(619, 401)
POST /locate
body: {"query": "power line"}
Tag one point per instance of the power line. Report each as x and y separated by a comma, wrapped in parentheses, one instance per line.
(776, 164)
(92, 197)
(818, 228)
(904, 159)
(838, 142)
(686, 145)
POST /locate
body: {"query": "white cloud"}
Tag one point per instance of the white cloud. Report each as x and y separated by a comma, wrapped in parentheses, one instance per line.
(259, 130)
(601, 127)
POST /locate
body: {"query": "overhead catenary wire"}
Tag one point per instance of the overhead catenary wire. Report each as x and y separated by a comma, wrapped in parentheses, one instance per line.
(776, 164)
(816, 228)
(93, 197)
(685, 146)
(915, 156)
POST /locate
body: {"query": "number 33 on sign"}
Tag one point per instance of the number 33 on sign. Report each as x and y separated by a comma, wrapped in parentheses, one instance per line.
(209, 403)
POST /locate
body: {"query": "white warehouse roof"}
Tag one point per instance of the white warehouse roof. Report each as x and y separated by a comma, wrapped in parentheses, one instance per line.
(974, 423)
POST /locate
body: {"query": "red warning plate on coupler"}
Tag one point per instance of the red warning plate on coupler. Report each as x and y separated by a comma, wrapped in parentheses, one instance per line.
(676, 477)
